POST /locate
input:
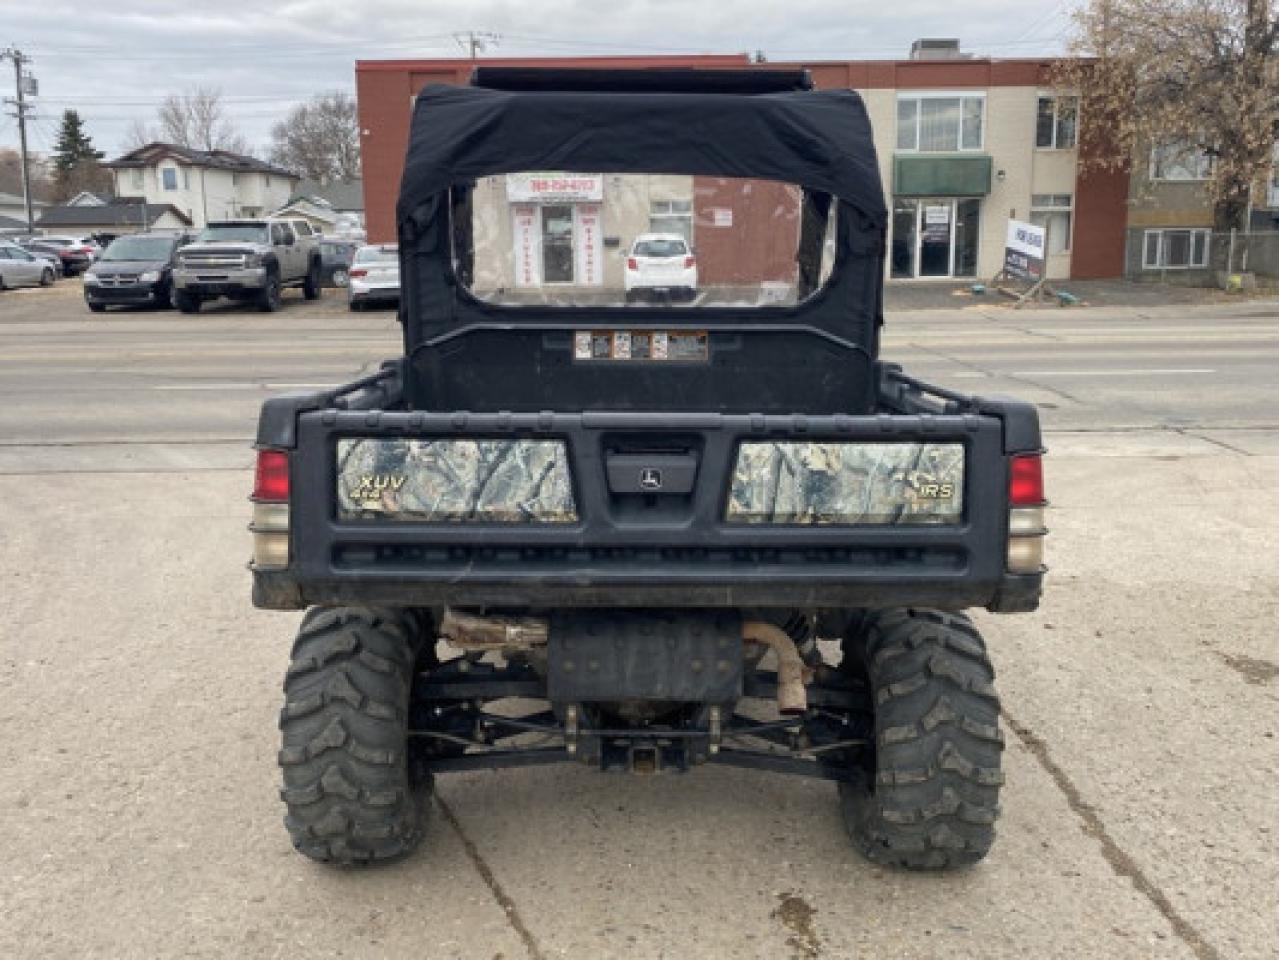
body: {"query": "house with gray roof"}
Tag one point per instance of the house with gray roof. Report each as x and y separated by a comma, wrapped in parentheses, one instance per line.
(118, 215)
(203, 185)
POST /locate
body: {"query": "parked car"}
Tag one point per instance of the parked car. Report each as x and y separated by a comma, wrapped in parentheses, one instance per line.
(20, 268)
(251, 261)
(134, 270)
(75, 254)
(660, 264)
(335, 261)
(44, 251)
(375, 276)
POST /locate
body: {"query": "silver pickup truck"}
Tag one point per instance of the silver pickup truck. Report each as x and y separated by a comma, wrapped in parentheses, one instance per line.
(247, 260)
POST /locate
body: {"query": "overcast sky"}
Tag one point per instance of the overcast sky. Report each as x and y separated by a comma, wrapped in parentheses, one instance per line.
(115, 60)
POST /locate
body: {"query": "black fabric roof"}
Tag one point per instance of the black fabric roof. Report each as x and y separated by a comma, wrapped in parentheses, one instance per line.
(660, 80)
(816, 139)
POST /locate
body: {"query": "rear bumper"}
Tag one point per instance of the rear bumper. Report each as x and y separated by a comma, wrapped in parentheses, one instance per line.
(283, 590)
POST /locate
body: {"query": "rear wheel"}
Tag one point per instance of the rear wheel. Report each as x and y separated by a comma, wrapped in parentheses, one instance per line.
(46, 277)
(931, 790)
(186, 301)
(351, 792)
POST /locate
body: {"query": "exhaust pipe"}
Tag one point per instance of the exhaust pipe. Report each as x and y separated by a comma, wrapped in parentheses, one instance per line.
(466, 631)
(792, 698)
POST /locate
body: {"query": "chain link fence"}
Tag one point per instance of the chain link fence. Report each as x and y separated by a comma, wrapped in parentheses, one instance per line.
(1202, 257)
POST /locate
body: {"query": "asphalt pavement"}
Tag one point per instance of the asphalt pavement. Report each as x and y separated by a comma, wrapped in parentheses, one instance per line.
(139, 688)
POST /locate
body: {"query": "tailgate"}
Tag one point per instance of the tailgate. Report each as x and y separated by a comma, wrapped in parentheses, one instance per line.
(609, 509)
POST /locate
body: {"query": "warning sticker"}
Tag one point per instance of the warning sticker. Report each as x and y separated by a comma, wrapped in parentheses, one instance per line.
(675, 346)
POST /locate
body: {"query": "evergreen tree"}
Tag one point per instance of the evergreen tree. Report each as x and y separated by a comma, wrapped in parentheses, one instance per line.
(74, 145)
(76, 163)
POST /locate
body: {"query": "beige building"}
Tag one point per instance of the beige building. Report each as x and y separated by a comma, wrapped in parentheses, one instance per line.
(204, 185)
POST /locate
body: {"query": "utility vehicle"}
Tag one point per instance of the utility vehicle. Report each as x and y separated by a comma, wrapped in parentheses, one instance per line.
(644, 538)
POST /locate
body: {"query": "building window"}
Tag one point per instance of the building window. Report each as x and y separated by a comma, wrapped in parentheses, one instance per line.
(1056, 123)
(169, 176)
(671, 216)
(940, 123)
(1179, 160)
(235, 179)
(1052, 211)
(1174, 249)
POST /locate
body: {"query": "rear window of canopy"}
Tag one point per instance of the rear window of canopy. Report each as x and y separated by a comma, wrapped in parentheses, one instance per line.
(581, 239)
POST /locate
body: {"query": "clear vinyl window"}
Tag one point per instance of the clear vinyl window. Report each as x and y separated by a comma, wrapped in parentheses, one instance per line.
(644, 240)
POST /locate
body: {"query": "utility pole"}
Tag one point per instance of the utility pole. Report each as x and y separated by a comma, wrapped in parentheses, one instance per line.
(19, 102)
(476, 41)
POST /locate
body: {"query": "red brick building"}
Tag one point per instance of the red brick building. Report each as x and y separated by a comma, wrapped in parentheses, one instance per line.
(964, 145)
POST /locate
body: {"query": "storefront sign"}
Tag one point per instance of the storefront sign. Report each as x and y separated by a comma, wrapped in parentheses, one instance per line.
(937, 224)
(552, 187)
(528, 246)
(588, 243)
(1024, 251)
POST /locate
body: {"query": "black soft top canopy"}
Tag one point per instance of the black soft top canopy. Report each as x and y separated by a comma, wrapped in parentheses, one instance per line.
(820, 140)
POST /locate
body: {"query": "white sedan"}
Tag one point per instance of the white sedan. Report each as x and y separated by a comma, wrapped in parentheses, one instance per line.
(374, 276)
(660, 265)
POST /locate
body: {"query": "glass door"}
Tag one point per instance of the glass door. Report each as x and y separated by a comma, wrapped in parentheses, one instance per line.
(934, 237)
(557, 244)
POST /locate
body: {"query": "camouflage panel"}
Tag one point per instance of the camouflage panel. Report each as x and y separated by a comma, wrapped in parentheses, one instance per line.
(848, 483)
(486, 481)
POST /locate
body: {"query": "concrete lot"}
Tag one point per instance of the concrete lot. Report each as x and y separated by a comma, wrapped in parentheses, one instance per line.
(139, 688)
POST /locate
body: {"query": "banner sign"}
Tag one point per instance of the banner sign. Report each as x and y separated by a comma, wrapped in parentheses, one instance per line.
(1024, 250)
(588, 240)
(528, 245)
(551, 187)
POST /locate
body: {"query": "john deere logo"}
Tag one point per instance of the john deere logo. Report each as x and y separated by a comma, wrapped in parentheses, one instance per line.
(651, 478)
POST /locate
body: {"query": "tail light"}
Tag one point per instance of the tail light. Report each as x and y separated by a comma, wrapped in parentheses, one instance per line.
(270, 526)
(1026, 504)
(632, 263)
(358, 272)
(690, 262)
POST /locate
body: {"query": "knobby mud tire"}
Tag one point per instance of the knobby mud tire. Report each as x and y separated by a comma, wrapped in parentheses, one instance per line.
(931, 794)
(353, 796)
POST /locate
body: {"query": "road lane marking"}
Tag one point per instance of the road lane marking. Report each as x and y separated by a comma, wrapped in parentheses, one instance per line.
(1166, 372)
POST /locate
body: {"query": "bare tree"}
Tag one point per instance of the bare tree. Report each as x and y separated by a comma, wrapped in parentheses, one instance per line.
(11, 175)
(139, 134)
(320, 139)
(197, 119)
(1185, 77)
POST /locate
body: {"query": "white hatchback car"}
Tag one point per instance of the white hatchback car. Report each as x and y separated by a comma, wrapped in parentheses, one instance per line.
(660, 264)
(374, 276)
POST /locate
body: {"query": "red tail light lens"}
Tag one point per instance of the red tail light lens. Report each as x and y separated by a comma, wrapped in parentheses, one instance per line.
(1026, 480)
(271, 481)
(632, 263)
(359, 272)
(690, 262)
